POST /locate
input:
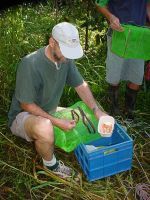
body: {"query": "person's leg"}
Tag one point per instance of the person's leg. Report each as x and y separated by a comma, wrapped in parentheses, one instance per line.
(40, 130)
(133, 86)
(130, 100)
(135, 77)
(114, 65)
(114, 99)
(37, 129)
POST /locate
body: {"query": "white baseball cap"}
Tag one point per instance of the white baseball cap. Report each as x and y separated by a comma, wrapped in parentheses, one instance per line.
(67, 36)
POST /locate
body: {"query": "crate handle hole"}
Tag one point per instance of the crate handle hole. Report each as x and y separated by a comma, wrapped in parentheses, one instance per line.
(110, 151)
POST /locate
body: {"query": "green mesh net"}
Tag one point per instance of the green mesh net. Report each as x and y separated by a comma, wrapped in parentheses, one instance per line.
(133, 42)
(68, 141)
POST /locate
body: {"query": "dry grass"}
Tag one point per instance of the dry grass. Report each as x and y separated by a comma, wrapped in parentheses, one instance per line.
(22, 175)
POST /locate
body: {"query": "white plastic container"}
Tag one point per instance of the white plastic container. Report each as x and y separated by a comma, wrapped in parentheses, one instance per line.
(106, 126)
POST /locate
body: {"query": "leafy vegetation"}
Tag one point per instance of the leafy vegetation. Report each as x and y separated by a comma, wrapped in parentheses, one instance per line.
(24, 29)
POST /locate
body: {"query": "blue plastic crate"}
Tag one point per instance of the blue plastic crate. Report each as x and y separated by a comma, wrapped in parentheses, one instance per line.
(113, 155)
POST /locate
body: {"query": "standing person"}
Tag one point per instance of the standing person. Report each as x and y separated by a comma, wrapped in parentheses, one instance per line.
(41, 77)
(117, 68)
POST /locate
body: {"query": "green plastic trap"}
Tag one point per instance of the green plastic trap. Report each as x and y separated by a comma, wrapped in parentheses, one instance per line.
(132, 43)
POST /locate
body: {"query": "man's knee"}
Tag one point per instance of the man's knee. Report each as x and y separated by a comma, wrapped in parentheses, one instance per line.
(42, 129)
(133, 86)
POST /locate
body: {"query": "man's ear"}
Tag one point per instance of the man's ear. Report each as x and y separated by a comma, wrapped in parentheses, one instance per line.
(51, 42)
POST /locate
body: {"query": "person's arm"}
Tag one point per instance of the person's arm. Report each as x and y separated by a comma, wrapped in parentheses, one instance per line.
(34, 109)
(113, 20)
(85, 94)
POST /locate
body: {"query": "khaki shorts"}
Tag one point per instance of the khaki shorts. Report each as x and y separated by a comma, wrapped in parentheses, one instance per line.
(17, 127)
(118, 68)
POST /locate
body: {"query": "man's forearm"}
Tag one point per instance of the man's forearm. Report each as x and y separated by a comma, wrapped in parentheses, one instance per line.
(37, 111)
(113, 20)
(104, 11)
(85, 94)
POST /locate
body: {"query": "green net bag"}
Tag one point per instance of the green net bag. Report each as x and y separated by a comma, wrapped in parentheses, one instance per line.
(132, 43)
(68, 141)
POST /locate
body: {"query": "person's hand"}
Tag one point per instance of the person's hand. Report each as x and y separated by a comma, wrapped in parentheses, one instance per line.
(65, 124)
(106, 127)
(98, 113)
(115, 23)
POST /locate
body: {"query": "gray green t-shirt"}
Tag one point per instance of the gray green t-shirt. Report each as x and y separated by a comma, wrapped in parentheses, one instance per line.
(39, 81)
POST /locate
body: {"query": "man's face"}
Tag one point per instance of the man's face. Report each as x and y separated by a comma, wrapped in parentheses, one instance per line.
(57, 53)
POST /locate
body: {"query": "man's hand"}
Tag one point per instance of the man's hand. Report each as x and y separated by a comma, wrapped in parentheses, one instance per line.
(98, 113)
(115, 23)
(66, 125)
(63, 124)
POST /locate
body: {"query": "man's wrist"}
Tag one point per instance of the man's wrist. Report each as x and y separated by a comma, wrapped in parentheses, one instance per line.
(95, 108)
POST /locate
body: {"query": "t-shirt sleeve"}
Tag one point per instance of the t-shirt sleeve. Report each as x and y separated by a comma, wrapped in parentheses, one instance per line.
(25, 87)
(74, 77)
(102, 3)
